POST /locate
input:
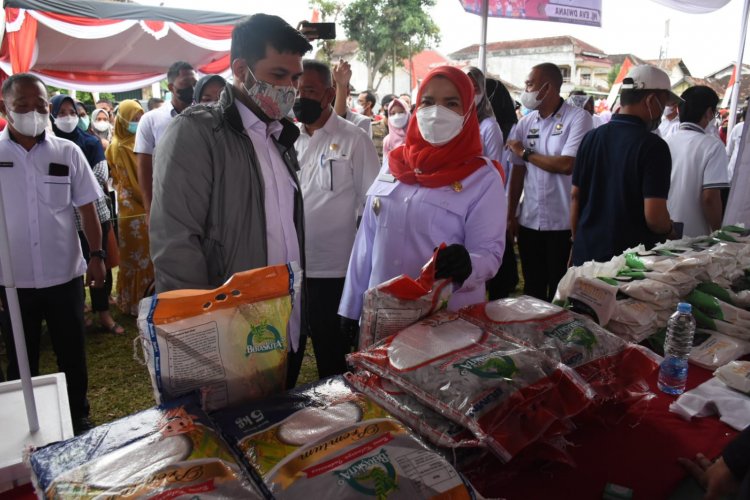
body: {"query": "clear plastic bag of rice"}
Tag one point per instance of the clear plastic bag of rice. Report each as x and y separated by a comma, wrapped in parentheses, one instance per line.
(508, 395)
(428, 423)
(170, 451)
(608, 363)
(327, 441)
(400, 302)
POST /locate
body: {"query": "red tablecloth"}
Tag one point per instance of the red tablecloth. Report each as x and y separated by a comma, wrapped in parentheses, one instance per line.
(636, 447)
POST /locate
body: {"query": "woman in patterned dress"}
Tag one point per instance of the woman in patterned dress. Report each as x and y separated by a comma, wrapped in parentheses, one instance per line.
(136, 271)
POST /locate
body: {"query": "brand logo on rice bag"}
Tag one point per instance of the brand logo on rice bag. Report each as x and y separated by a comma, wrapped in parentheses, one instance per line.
(490, 365)
(263, 338)
(574, 333)
(372, 476)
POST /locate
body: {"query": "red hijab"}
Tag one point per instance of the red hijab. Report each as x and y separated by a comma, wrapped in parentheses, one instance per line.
(419, 162)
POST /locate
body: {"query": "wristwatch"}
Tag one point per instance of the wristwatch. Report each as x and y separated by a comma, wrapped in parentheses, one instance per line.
(526, 153)
(102, 254)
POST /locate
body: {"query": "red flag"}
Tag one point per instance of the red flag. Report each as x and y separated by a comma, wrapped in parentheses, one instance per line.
(626, 65)
(726, 101)
(315, 16)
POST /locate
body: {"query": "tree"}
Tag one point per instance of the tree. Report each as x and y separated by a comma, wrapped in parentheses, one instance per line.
(389, 31)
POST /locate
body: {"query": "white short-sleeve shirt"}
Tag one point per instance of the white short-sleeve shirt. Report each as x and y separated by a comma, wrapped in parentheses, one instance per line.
(733, 147)
(361, 121)
(546, 196)
(492, 139)
(39, 189)
(338, 163)
(699, 162)
(151, 127)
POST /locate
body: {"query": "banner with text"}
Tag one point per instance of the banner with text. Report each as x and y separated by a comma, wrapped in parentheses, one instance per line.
(587, 12)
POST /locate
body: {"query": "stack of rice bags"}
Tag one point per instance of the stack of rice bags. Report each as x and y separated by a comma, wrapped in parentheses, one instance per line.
(326, 440)
(506, 394)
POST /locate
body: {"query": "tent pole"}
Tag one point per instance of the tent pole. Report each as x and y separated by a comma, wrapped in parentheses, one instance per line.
(483, 45)
(738, 69)
(14, 310)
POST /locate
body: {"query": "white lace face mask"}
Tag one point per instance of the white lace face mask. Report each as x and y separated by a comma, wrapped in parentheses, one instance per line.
(276, 101)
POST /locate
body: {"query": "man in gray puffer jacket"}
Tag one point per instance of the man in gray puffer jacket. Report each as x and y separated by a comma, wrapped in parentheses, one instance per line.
(225, 192)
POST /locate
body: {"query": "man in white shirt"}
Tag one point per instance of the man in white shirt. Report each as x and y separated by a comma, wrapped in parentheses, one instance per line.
(181, 83)
(226, 195)
(670, 121)
(699, 165)
(544, 145)
(733, 144)
(42, 178)
(342, 75)
(338, 162)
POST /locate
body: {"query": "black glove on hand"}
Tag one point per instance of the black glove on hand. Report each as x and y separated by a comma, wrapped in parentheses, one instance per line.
(453, 262)
(350, 332)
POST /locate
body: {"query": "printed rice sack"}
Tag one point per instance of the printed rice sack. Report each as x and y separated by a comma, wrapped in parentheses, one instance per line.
(170, 451)
(230, 343)
(633, 320)
(428, 423)
(608, 363)
(508, 395)
(400, 302)
(327, 441)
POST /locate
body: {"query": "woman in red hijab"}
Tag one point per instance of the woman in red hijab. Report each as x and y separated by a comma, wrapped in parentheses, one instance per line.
(435, 188)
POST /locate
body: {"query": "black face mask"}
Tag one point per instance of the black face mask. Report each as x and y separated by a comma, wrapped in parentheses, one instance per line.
(307, 110)
(185, 95)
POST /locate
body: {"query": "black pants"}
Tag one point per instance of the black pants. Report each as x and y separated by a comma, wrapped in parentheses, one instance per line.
(99, 296)
(324, 296)
(61, 307)
(505, 281)
(544, 260)
(294, 364)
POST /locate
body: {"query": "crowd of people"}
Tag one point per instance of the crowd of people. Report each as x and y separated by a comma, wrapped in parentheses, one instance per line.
(284, 163)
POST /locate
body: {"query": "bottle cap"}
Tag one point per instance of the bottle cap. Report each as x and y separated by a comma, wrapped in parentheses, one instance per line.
(684, 307)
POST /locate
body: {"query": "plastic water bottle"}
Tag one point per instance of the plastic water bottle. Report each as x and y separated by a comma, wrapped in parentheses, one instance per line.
(674, 369)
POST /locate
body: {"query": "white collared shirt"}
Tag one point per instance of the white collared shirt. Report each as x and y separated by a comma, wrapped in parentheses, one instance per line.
(546, 196)
(699, 162)
(151, 127)
(278, 188)
(733, 147)
(668, 127)
(361, 121)
(338, 165)
(282, 245)
(38, 207)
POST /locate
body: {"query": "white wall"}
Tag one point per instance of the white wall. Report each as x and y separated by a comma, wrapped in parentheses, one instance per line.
(514, 67)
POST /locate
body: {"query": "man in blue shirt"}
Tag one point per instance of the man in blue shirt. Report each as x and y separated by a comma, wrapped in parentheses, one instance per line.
(621, 174)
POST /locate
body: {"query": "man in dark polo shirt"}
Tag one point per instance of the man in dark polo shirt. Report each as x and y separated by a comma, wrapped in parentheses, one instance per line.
(621, 174)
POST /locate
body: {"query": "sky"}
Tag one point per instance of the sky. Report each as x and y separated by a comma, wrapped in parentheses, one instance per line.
(705, 42)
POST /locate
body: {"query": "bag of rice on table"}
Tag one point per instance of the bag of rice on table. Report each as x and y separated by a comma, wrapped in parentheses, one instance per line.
(170, 451)
(506, 394)
(428, 423)
(230, 343)
(608, 363)
(400, 302)
(327, 441)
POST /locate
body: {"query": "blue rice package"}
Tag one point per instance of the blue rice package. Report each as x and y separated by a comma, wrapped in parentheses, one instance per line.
(326, 440)
(169, 451)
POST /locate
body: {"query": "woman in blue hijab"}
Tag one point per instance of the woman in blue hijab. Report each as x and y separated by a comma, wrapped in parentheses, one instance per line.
(65, 124)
